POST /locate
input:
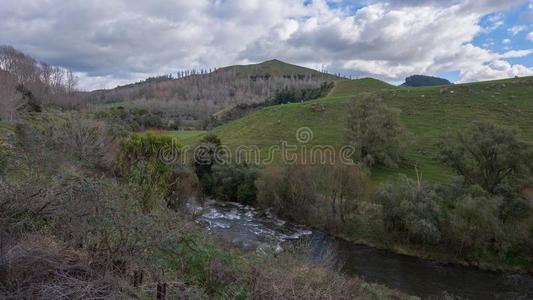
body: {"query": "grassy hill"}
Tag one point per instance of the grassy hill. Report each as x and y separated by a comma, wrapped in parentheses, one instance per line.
(363, 85)
(274, 68)
(193, 96)
(427, 112)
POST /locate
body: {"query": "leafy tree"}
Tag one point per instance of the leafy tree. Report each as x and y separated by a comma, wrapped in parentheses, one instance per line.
(473, 227)
(375, 131)
(235, 183)
(422, 80)
(227, 182)
(151, 121)
(142, 160)
(205, 156)
(3, 159)
(321, 195)
(489, 155)
(411, 210)
(342, 187)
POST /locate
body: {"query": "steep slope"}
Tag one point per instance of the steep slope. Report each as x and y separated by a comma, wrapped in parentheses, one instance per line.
(427, 112)
(192, 98)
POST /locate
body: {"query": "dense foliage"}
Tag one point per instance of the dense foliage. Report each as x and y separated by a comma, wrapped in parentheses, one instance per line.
(153, 162)
(221, 178)
(282, 96)
(376, 133)
(325, 196)
(411, 211)
(423, 80)
(26, 84)
(492, 156)
(137, 119)
(294, 95)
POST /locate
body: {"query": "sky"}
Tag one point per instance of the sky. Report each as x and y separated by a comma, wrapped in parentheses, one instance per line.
(112, 42)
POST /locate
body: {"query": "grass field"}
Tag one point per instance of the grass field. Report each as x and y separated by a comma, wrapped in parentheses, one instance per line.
(345, 88)
(427, 112)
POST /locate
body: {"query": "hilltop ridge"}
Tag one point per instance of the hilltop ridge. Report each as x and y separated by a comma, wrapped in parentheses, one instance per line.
(274, 68)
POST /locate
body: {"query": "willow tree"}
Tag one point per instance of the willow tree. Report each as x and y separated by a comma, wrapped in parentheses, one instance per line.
(489, 155)
(375, 131)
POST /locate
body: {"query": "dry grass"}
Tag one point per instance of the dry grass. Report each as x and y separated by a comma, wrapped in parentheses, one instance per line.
(288, 277)
(37, 267)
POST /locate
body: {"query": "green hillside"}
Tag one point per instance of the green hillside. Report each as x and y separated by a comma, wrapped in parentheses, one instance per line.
(427, 112)
(363, 85)
(274, 68)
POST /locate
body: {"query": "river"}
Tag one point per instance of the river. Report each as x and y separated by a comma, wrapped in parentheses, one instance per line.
(265, 232)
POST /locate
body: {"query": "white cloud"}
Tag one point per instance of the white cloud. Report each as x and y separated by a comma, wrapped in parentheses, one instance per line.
(517, 29)
(530, 36)
(494, 70)
(506, 41)
(120, 41)
(514, 54)
(495, 22)
(528, 15)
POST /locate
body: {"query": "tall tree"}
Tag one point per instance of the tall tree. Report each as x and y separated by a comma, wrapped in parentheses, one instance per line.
(489, 155)
(376, 132)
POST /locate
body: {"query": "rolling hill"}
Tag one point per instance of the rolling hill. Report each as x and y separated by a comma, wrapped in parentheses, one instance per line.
(427, 112)
(273, 68)
(193, 97)
(345, 88)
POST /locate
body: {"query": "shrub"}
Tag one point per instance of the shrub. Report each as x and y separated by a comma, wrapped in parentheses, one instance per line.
(222, 180)
(411, 210)
(151, 121)
(43, 268)
(234, 183)
(490, 156)
(291, 95)
(3, 158)
(287, 276)
(320, 195)
(375, 131)
(473, 226)
(72, 134)
(152, 162)
(204, 159)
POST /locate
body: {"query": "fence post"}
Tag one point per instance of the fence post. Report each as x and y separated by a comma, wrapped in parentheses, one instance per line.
(161, 293)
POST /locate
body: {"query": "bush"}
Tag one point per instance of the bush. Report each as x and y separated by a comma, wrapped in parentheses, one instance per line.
(287, 276)
(151, 121)
(411, 210)
(234, 183)
(227, 182)
(490, 156)
(43, 268)
(205, 157)
(375, 131)
(474, 228)
(4, 152)
(292, 95)
(152, 162)
(320, 195)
